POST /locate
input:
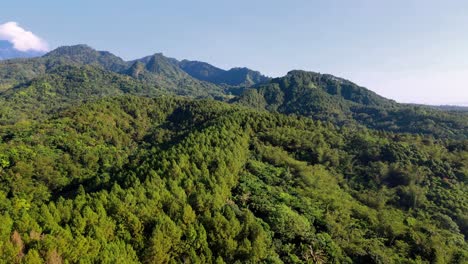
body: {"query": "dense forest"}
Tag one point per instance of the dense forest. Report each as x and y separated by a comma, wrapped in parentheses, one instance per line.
(107, 161)
(326, 97)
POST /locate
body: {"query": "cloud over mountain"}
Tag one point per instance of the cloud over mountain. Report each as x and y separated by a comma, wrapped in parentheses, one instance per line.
(22, 39)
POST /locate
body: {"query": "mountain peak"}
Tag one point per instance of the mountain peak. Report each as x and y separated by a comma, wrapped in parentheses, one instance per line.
(318, 77)
(302, 73)
(84, 54)
(239, 76)
(72, 50)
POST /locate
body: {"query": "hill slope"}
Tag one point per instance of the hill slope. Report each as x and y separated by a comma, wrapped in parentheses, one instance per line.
(14, 72)
(234, 77)
(165, 72)
(174, 180)
(319, 96)
(100, 162)
(85, 55)
(329, 98)
(63, 86)
(157, 70)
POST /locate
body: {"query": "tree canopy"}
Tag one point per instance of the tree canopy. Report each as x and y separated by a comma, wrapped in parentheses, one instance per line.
(108, 161)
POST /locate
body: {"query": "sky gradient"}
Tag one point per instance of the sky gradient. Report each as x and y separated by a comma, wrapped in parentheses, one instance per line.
(411, 51)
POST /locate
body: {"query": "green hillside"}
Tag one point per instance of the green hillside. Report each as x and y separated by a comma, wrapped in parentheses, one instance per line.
(157, 71)
(234, 77)
(108, 161)
(63, 86)
(319, 96)
(329, 98)
(85, 55)
(176, 180)
(164, 72)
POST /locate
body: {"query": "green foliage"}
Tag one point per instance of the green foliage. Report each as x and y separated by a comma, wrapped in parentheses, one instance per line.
(243, 77)
(153, 71)
(333, 99)
(169, 180)
(164, 72)
(100, 164)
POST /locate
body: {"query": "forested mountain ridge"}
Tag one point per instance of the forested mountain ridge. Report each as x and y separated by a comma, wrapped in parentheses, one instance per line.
(84, 55)
(164, 72)
(169, 179)
(329, 98)
(157, 69)
(454, 108)
(103, 161)
(335, 99)
(63, 86)
(235, 76)
(14, 72)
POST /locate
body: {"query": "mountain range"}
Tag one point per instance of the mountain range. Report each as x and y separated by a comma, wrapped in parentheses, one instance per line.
(159, 160)
(320, 96)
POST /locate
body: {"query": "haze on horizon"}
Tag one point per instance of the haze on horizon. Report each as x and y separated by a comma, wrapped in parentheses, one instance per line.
(411, 51)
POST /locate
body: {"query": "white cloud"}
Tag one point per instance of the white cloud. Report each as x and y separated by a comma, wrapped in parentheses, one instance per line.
(21, 39)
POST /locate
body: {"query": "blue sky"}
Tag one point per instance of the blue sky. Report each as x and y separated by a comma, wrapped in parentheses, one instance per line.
(410, 51)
